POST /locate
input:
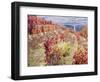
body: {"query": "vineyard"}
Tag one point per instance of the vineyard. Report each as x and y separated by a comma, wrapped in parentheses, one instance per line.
(50, 43)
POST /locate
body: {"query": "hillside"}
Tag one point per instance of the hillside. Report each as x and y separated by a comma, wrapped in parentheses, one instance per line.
(53, 44)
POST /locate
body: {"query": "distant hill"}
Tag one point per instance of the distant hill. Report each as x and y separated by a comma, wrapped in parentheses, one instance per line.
(37, 24)
(47, 25)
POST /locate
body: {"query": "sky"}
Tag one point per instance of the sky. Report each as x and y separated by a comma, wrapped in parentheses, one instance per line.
(67, 19)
